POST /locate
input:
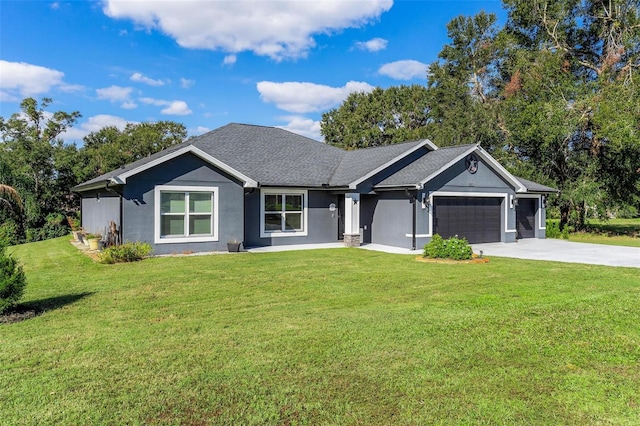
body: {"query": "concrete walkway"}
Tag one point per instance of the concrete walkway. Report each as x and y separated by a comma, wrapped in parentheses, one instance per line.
(563, 251)
(531, 248)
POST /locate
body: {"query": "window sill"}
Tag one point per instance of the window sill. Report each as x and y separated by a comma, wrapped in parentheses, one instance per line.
(172, 240)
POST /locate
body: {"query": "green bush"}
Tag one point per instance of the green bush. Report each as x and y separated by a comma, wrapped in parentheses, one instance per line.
(553, 230)
(454, 248)
(12, 281)
(127, 252)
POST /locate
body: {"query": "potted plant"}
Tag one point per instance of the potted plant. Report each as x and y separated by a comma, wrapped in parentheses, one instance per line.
(233, 246)
(94, 241)
(74, 224)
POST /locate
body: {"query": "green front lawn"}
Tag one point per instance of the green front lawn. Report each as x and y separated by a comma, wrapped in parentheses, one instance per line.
(615, 232)
(341, 336)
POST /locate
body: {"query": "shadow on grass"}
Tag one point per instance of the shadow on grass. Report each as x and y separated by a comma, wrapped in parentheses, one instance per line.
(27, 310)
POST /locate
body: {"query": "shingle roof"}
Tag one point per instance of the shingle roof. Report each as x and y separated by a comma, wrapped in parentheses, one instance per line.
(425, 166)
(535, 187)
(357, 163)
(275, 157)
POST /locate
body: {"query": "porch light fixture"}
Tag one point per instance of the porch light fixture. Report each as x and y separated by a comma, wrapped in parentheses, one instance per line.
(97, 196)
(514, 201)
(426, 203)
(544, 202)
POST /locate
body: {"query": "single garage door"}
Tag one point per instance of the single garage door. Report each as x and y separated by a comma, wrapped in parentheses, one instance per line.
(476, 219)
(526, 218)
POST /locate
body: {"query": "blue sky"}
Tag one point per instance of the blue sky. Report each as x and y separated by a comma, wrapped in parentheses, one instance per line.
(209, 63)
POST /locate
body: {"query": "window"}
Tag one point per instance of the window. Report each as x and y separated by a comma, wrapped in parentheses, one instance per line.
(283, 212)
(186, 214)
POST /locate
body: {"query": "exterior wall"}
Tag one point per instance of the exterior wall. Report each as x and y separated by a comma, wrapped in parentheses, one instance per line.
(387, 218)
(322, 226)
(186, 170)
(98, 209)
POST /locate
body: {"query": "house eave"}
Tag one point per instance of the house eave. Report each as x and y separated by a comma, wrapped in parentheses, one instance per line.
(247, 181)
(424, 143)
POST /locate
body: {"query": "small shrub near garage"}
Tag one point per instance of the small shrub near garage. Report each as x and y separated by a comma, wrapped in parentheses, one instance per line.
(12, 281)
(453, 248)
(127, 252)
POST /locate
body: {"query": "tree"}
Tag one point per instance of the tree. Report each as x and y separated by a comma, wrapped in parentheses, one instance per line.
(572, 99)
(381, 117)
(110, 148)
(12, 281)
(463, 85)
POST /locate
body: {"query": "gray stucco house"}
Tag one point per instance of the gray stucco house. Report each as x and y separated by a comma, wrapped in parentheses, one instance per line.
(266, 186)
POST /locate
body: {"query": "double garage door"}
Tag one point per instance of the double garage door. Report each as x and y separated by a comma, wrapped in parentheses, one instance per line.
(477, 219)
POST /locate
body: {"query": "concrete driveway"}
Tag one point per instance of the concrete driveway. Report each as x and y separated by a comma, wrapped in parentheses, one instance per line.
(563, 251)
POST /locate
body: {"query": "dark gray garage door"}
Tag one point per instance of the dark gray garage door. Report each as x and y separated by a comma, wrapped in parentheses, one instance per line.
(526, 218)
(476, 219)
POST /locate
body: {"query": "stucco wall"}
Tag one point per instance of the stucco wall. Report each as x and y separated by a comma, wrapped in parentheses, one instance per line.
(186, 170)
(98, 209)
(322, 223)
(387, 219)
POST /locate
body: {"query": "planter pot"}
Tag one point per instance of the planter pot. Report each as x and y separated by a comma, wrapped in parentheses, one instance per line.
(233, 247)
(94, 243)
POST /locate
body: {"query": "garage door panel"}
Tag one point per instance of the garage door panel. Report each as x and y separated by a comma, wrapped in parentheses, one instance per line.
(476, 219)
(526, 218)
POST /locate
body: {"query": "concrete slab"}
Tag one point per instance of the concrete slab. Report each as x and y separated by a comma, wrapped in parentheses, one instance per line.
(563, 251)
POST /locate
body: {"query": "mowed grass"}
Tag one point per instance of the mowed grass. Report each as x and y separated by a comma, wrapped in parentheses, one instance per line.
(341, 336)
(616, 232)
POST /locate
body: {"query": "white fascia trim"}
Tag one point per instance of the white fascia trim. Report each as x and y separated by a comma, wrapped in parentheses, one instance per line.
(157, 239)
(248, 182)
(305, 213)
(425, 142)
(502, 195)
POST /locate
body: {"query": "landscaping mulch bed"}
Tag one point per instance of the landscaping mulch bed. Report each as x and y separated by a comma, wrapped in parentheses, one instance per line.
(451, 261)
(18, 314)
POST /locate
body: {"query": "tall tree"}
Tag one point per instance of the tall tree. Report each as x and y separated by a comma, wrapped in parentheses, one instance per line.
(572, 99)
(30, 140)
(463, 85)
(110, 148)
(381, 117)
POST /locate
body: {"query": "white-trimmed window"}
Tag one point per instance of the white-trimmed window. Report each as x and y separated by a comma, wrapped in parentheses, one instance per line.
(283, 212)
(186, 214)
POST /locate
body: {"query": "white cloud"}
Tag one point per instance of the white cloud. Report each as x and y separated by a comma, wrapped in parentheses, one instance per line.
(185, 83)
(230, 60)
(200, 130)
(140, 78)
(172, 107)
(373, 45)
(302, 126)
(277, 29)
(115, 93)
(93, 124)
(55, 5)
(20, 79)
(129, 105)
(405, 70)
(301, 97)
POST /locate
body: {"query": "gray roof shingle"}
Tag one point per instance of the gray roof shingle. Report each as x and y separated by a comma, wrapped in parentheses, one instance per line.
(535, 187)
(358, 163)
(276, 157)
(425, 166)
